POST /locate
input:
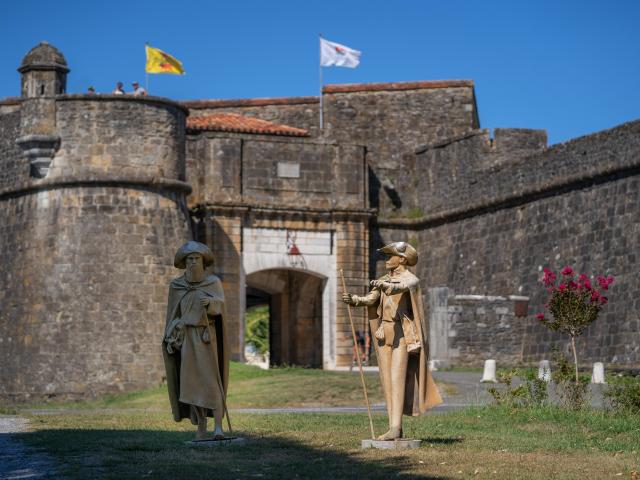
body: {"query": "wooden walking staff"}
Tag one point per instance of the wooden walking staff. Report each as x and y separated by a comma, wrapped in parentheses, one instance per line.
(355, 343)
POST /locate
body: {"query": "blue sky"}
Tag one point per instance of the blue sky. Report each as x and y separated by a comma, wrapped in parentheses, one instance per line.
(571, 67)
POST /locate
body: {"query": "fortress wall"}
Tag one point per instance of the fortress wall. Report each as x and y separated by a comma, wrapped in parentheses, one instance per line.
(15, 167)
(390, 119)
(391, 122)
(574, 204)
(121, 136)
(271, 172)
(455, 178)
(84, 286)
(89, 252)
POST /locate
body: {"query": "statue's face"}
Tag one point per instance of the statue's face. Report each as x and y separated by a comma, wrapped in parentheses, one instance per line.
(194, 267)
(394, 261)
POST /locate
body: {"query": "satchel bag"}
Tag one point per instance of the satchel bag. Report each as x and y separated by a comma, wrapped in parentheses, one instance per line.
(411, 337)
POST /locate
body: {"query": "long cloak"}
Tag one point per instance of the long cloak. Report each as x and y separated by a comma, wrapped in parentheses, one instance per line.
(421, 392)
(197, 373)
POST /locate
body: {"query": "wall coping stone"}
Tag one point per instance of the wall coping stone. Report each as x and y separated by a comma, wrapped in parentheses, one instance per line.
(249, 102)
(243, 208)
(94, 181)
(522, 194)
(396, 86)
(108, 97)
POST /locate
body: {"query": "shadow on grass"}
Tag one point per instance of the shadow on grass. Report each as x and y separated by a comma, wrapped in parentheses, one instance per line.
(129, 454)
(443, 440)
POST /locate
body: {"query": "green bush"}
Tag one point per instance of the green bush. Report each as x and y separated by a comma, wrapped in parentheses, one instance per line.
(256, 331)
(624, 394)
(531, 392)
(572, 393)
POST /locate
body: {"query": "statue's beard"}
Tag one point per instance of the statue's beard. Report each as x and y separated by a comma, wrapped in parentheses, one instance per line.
(194, 273)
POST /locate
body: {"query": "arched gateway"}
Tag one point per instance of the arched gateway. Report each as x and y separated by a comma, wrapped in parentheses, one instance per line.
(283, 222)
(297, 270)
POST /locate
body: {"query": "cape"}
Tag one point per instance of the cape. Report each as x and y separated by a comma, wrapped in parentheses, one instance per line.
(211, 286)
(421, 392)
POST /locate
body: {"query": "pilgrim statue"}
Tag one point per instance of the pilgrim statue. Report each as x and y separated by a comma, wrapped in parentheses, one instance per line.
(196, 355)
(401, 337)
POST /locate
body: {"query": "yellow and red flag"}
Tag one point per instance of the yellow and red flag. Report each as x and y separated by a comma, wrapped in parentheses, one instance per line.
(160, 62)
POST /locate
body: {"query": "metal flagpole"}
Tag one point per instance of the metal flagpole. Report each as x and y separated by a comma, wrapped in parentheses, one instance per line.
(146, 81)
(321, 101)
(355, 343)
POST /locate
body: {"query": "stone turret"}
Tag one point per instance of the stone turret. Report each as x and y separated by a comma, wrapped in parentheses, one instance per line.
(44, 72)
(44, 75)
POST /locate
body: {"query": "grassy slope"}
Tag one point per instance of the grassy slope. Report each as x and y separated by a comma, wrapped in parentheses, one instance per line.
(252, 387)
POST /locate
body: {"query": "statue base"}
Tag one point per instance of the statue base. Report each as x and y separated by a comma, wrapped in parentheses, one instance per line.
(399, 444)
(210, 442)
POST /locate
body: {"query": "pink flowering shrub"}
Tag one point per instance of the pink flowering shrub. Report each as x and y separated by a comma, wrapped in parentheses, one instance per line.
(574, 303)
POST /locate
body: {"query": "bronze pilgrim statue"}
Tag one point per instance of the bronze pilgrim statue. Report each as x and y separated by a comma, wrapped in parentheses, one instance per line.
(196, 355)
(401, 337)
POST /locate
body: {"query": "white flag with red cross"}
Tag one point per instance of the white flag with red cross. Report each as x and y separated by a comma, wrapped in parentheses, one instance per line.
(334, 54)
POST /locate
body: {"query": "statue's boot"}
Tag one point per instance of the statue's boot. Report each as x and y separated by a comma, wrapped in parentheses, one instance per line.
(201, 416)
(201, 433)
(392, 434)
(218, 434)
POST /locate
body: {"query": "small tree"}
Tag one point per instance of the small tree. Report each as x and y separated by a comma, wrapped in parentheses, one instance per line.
(573, 305)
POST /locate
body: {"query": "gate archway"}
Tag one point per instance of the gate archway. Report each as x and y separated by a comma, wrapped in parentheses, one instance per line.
(295, 314)
(298, 273)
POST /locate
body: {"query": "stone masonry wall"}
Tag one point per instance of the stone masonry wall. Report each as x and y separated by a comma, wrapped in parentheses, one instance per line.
(574, 204)
(469, 329)
(89, 249)
(389, 119)
(228, 168)
(84, 290)
(120, 137)
(15, 167)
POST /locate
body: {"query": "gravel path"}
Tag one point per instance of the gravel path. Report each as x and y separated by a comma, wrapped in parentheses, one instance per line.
(18, 461)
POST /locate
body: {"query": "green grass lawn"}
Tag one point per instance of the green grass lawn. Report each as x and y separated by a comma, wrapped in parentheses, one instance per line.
(251, 387)
(113, 438)
(477, 443)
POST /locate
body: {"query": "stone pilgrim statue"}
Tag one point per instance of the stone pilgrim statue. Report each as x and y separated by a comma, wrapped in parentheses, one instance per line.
(401, 334)
(196, 355)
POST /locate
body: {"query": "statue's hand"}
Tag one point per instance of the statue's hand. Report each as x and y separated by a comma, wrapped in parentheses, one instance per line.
(204, 301)
(348, 299)
(376, 284)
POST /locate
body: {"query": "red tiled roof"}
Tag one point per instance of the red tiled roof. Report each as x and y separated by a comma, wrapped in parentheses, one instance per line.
(10, 101)
(377, 87)
(249, 102)
(233, 122)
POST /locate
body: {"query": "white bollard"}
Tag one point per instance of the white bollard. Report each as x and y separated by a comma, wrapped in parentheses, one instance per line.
(544, 371)
(489, 374)
(598, 373)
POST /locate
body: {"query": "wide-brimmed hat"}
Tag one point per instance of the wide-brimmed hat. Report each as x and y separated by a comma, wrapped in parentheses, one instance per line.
(193, 247)
(402, 249)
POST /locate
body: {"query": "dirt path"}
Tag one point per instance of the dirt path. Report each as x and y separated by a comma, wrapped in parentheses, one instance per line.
(18, 461)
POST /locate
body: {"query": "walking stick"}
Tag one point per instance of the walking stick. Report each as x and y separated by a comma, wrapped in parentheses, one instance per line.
(355, 343)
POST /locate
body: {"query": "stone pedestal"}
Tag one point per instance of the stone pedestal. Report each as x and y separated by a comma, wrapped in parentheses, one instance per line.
(400, 444)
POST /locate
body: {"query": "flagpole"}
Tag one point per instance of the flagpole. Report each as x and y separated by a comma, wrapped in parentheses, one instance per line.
(321, 101)
(146, 80)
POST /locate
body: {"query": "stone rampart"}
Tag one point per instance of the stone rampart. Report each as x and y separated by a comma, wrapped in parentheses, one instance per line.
(493, 232)
(241, 169)
(469, 329)
(89, 250)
